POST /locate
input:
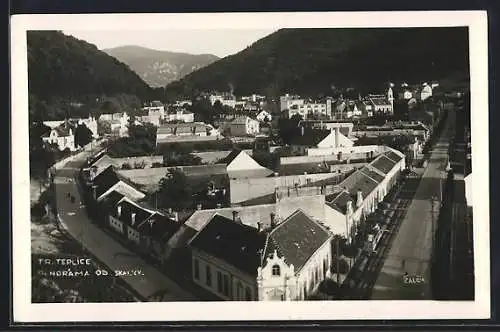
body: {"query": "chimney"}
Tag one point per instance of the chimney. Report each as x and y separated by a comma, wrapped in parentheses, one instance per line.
(302, 130)
(273, 220)
(349, 207)
(169, 210)
(236, 216)
(198, 206)
(219, 205)
(359, 198)
(132, 218)
(119, 210)
(259, 226)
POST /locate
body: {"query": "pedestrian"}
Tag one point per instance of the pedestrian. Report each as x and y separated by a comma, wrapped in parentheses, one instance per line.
(403, 263)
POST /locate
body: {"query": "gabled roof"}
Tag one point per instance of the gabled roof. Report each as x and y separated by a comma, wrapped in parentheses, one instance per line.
(241, 120)
(158, 227)
(239, 245)
(103, 163)
(339, 202)
(127, 209)
(311, 137)
(383, 164)
(231, 156)
(296, 239)
(112, 199)
(105, 180)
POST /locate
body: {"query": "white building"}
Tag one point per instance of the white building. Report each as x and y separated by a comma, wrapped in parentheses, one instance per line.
(244, 125)
(240, 263)
(363, 190)
(264, 116)
(226, 99)
(426, 92)
(311, 109)
(180, 115)
(118, 122)
(287, 101)
(62, 136)
(155, 108)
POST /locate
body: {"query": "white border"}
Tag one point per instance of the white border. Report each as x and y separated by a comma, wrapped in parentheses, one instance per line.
(24, 311)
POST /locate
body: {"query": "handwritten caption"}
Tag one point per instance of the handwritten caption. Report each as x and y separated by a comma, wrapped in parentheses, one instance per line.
(76, 267)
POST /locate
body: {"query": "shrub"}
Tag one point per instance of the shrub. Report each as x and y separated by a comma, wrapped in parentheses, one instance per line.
(340, 264)
(329, 287)
(126, 166)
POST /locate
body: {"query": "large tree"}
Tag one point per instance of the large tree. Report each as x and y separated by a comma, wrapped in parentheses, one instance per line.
(175, 191)
(83, 135)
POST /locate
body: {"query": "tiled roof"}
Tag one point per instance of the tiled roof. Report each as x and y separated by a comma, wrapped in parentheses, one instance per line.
(237, 244)
(127, 209)
(250, 173)
(178, 128)
(200, 170)
(311, 137)
(186, 138)
(383, 164)
(112, 199)
(231, 156)
(158, 227)
(339, 202)
(301, 168)
(241, 120)
(296, 239)
(393, 156)
(104, 181)
(380, 101)
(372, 174)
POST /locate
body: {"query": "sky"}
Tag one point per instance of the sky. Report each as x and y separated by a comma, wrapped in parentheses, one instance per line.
(221, 42)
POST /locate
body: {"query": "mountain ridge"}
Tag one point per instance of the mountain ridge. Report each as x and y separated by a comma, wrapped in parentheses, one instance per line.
(313, 60)
(159, 67)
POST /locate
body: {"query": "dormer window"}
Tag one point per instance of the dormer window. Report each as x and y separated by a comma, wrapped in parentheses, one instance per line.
(276, 270)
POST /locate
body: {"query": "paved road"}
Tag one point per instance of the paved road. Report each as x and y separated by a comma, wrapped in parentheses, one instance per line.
(412, 246)
(152, 285)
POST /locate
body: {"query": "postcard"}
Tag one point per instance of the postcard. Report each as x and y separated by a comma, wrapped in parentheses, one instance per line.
(250, 166)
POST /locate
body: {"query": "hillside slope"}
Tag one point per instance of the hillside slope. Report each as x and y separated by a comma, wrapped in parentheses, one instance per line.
(310, 61)
(158, 68)
(63, 67)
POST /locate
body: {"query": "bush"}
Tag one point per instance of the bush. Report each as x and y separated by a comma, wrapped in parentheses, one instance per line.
(329, 287)
(126, 166)
(156, 165)
(341, 264)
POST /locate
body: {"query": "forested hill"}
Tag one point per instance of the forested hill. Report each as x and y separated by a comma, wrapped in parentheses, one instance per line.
(313, 60)
(63, 67)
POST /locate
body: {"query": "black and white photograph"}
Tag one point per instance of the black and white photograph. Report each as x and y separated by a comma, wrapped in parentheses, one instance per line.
(288, 164)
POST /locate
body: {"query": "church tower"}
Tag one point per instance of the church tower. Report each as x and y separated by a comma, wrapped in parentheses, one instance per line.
(390, 96)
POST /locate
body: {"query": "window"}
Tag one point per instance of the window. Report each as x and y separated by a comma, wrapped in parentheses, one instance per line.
(276, 270)
(239, 290)
(196, 269)
(219, 282)
(208, 273)
(248, 294)
(226, 285)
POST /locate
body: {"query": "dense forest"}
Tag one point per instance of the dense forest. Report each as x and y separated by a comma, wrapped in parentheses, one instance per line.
(315, 61)
(64, 71)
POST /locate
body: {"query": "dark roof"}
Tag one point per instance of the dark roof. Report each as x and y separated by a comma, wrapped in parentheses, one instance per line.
(372, 174)
(112, 199)
(126, 213)
(339, 202)
(231, 156)
(383, 164)
(310, 138)
(296, 239)
(300, 168)
(234, 243)
(393, 156)
(104, 181)
(158, 227)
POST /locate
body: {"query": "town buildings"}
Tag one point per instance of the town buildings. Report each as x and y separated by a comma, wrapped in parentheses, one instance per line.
(155, 109)
(244, 125)
(283, 263)
(180, 115)
(62, 136)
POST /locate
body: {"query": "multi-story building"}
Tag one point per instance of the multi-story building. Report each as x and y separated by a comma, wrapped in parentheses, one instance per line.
(283, 262)
(180, 115)
(62, 136)
(244, 125)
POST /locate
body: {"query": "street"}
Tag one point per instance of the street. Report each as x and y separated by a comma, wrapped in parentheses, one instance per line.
(151, 283)
(411, 249)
